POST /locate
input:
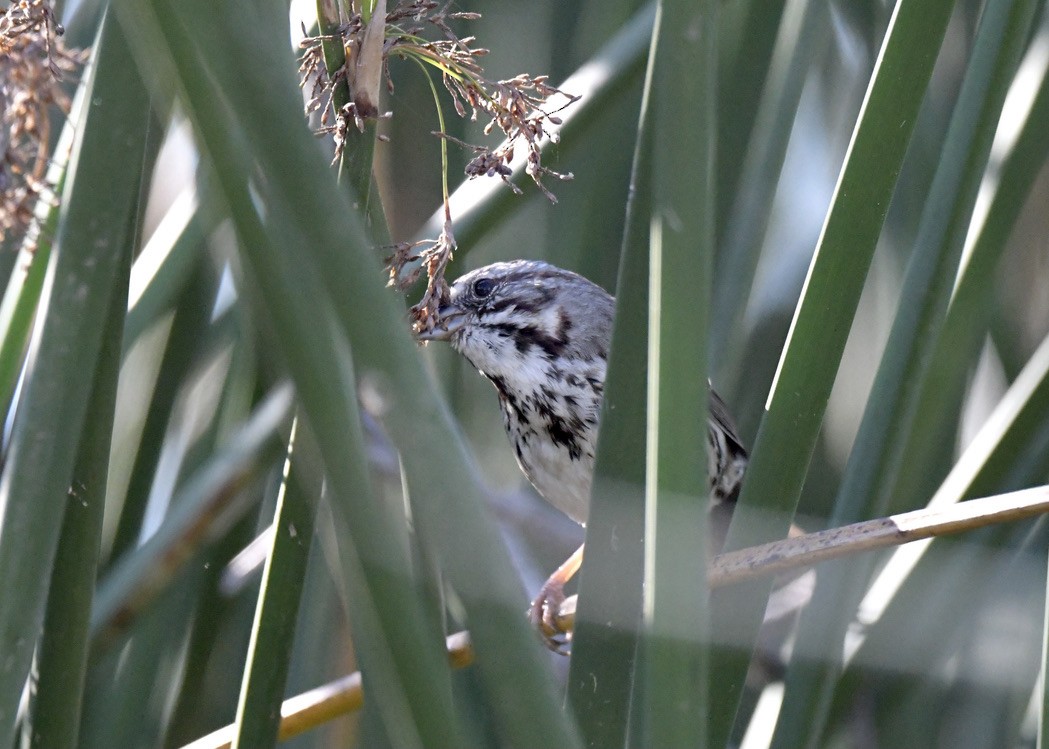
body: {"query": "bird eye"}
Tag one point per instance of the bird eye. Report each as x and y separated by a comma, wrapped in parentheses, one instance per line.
(483, 287)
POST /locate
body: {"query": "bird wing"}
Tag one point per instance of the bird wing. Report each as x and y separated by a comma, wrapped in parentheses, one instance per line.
(719, 413)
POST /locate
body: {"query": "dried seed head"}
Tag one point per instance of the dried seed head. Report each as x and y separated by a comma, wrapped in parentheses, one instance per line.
(434, 256)
(33, 61)
(514, 107)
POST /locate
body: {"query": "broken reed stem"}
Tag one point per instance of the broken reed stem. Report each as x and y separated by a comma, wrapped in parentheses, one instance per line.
(310, 709)
(895, 530)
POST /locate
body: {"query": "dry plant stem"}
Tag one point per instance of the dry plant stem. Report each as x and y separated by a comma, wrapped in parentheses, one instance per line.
(366, 75)
(812, 548)
(310, 709)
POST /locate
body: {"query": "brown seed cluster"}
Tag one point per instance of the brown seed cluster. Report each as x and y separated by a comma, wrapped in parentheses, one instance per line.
(433, 257)
(33, 61)
(514, 107)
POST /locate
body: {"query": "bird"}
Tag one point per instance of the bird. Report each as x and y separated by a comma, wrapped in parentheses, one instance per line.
(541, 335)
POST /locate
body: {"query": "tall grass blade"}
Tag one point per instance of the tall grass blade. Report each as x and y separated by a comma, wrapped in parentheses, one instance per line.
(809, 362)
(100, 200)
(675, 636)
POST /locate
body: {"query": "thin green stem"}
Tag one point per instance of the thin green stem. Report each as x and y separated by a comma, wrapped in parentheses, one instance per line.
(444, 141)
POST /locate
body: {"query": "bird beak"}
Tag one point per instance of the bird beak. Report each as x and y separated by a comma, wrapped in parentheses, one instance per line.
(449, 320)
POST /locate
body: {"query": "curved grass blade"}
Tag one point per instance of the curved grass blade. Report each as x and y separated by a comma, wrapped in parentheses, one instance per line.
(322, 370)
(209, 502)
(189, 327)
(62, 655)
(171, 629)
(165, 265)
(100, 201)
(312, 223)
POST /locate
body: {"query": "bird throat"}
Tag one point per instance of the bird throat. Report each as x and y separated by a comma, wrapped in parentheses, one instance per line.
(551, 419)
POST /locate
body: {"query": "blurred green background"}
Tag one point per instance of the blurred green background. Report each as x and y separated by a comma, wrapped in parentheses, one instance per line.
(203, 293)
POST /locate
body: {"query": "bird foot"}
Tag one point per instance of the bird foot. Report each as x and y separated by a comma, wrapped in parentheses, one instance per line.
(542, 613)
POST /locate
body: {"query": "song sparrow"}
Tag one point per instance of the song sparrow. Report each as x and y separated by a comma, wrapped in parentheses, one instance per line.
(541, 335)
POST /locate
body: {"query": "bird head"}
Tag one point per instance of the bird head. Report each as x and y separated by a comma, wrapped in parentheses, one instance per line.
(507, 318)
